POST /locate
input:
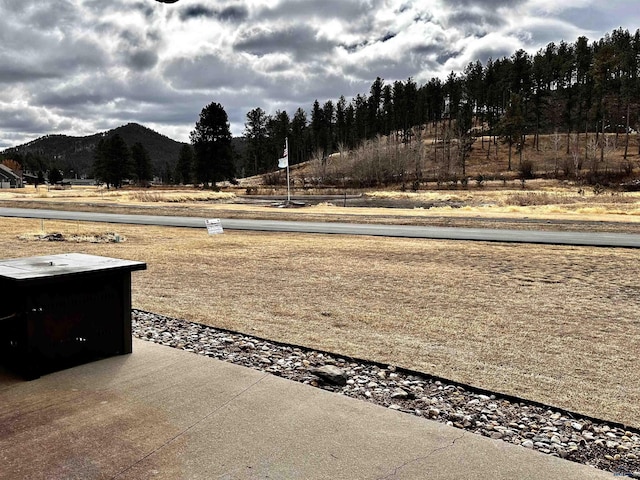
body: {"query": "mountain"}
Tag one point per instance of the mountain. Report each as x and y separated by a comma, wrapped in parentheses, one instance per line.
(75, 155)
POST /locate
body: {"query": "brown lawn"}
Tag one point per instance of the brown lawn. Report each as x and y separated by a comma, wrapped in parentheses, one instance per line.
(558, 325)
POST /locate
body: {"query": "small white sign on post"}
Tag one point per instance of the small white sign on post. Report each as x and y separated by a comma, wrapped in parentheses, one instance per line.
(214, 226)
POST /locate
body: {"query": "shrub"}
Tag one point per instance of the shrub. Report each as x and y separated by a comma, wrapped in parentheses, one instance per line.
(273, 179)
(526, 170)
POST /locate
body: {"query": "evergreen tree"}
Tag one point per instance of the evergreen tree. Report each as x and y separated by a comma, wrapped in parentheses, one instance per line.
(511, 125)
(473, 87)
(54, 175)
(318, 134)
(375, 107)
(211, 140)
(387, 109)
(453, 90)
(184, 166)
(328, 118)
(278, 129)
(360, 123)
(349, 125)
(341, 122)
(433, 99)
(141, 163)
(539, 74)
(299, 140)
(40, 178)
(255, 133)
(464, 122)
(520, 78)
(112, 161)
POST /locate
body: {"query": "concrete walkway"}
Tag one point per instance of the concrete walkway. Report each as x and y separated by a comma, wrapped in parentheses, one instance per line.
(163, 413)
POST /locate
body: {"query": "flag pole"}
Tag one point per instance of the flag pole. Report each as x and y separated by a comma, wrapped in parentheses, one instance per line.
(288, 184)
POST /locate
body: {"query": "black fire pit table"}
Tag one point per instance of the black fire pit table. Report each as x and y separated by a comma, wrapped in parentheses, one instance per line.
(57, 311)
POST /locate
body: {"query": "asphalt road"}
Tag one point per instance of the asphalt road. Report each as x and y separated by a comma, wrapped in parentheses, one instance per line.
(620, 240)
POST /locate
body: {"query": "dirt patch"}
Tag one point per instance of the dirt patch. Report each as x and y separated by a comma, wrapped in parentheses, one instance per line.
(109, 237)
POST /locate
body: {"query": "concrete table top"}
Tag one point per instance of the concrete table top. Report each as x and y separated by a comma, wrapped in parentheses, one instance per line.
(47, 266)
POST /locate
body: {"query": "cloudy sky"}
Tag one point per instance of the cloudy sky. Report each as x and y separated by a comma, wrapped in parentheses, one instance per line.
(81, 66)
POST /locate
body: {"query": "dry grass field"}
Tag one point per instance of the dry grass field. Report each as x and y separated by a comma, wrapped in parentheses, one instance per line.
(558, 325)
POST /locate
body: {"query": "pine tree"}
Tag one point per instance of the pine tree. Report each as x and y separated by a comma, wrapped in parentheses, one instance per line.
(255, 133)
(184, 167)
(112, 161)
(211, 140)
(141, 163)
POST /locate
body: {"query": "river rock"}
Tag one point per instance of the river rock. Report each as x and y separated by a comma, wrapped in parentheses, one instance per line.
(520, 423)
(330, 374)
(399, 393)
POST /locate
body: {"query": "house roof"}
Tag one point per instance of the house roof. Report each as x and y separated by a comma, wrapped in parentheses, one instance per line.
(6, 172)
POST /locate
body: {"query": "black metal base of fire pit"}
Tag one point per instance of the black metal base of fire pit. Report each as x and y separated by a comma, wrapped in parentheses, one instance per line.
(64, 310)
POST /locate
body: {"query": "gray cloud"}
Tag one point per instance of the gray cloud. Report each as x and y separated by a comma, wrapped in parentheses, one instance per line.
(142, 59)
(603, 17)
(138, 47)
(74, 97)
(145, 8)
(196, 11)
(231, 13)
(485, 21)
(486, 4)
(15, 71)
(492, 52)
(53, 59)
(208, 72)
(45, 16)
(102, 7)
(15, 119)
(428, 49)
(300, 41)
(352, 10)
(389, 68)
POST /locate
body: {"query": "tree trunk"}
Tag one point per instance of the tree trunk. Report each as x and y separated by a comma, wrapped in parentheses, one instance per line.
(435, 150)
(626, 139)
(586, 141)
(602, 144)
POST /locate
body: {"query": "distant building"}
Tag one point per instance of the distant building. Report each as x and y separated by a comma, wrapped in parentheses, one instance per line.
(9, 178)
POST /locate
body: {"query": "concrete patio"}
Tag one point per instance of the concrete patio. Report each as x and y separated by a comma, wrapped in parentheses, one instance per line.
(163, 413)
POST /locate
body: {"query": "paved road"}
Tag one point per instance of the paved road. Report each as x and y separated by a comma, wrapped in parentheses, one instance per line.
(406, 231)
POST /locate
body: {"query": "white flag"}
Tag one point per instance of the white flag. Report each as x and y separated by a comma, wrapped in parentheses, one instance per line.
(284, 161)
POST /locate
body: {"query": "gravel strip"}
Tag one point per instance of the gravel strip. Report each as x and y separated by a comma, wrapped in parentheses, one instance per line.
(600, 444)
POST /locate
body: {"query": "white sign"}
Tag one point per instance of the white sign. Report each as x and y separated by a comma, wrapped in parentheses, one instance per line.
(214, 226)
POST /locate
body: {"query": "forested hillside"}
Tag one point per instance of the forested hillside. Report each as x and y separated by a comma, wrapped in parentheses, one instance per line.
(566, 90)
(76, 155)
